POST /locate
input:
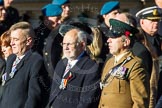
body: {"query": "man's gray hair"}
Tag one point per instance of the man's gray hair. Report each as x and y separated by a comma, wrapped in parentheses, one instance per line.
(27, 29)
(82, 36)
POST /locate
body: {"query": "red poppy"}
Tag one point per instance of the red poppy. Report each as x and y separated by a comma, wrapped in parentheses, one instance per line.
(127, 33)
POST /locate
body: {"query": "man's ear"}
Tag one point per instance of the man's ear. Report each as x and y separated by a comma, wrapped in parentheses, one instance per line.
(127, 42)
(141, 21)
(29, 41)
(104, 16)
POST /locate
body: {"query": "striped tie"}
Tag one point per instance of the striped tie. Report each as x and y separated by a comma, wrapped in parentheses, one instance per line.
(68, 67)
(16, 62)
(14, 67)
(65, 80)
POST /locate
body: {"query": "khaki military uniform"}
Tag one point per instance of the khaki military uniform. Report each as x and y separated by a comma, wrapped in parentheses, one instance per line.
(129, 91)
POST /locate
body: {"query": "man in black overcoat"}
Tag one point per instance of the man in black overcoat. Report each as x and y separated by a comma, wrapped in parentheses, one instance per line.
(25, 84)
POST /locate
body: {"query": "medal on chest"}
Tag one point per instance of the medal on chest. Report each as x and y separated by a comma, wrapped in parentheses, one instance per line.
(64, 82)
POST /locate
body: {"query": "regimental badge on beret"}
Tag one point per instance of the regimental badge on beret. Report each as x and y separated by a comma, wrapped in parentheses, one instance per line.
(151, 13)
(119, 28)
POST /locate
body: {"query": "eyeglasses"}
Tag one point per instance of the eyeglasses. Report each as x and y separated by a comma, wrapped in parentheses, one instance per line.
(69, 44)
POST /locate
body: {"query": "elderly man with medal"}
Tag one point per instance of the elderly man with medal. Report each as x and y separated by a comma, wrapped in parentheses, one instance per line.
(76, 77)
(124, 81)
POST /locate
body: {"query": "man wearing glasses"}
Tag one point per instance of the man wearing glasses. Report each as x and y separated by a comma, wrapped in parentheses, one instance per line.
(76, 77)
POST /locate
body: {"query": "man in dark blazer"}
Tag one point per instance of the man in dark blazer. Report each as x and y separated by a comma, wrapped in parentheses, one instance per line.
(23, 85)
(77, 87)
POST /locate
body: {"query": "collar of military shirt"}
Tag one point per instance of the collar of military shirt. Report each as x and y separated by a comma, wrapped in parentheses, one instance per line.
(117, 58)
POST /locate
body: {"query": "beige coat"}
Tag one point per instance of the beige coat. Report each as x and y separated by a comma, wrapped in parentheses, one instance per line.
(132, 92)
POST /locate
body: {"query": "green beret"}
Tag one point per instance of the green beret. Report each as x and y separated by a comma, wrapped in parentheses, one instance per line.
(109, 6)
(151, 13)
(60, 2)
(52, 10)
(119, 28)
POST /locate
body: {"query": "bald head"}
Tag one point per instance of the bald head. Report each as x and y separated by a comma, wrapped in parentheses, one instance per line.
(74, 43)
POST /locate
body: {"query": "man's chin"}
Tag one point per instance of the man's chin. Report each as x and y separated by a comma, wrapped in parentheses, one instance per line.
(69, 58)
